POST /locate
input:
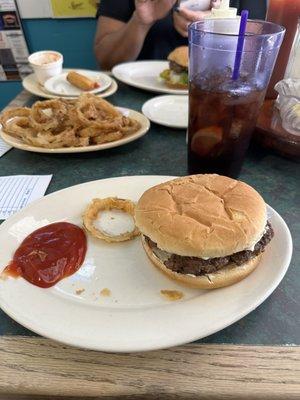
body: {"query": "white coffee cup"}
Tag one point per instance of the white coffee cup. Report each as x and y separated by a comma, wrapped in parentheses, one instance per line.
(46, 64)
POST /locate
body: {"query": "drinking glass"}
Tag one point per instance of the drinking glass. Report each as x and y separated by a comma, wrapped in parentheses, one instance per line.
(223, 110)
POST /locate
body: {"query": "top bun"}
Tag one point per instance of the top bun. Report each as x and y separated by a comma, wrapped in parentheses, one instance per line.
(180, 56)
(202, 216)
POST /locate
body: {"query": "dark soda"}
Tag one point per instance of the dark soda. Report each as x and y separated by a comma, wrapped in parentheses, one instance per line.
(222, 117)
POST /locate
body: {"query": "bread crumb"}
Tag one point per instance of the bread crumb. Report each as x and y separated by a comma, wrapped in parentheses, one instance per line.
(105, 292)
(3, 276)
(172, 295)
(79, 291)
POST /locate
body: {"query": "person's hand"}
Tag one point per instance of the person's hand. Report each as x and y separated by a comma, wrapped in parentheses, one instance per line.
(183, 17)
(150, 11)
(216, 3)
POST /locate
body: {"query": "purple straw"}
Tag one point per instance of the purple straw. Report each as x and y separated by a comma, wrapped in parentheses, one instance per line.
(240, 45)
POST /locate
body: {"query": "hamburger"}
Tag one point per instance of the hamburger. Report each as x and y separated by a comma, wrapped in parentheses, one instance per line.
(176, 77)
(205, 231)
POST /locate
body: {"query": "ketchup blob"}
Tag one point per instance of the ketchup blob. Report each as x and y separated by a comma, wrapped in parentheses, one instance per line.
(49, 254)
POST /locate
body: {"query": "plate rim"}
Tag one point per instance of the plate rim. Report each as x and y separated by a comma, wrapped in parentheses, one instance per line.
(149, 103)
(26, 83)
(174, 342)
(64, 73)
(149, 88)
(85, 149)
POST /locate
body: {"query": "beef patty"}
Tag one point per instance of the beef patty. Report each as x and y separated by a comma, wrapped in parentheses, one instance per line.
(177, 68)
(199, 266)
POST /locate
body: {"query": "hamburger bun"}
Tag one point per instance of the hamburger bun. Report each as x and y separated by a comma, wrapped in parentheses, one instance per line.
(180, 56)
(224, 277)
(204, 216)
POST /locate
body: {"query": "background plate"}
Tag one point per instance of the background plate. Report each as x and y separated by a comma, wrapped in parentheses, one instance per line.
(135, 317)
(32, 86)
(145, 125)
(171, 111)
(144, 75)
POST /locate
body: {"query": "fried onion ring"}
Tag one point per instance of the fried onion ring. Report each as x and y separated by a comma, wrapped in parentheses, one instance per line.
(106, 138)
(109, 203)
(7, 115)
(66, 138)
(18, 127)
(94, 111)
(47, 115)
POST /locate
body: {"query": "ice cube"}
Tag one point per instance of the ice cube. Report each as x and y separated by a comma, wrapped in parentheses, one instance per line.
(236, 129)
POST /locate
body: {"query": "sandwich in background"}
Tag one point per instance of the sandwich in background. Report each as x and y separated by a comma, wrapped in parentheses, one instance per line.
(176, 76)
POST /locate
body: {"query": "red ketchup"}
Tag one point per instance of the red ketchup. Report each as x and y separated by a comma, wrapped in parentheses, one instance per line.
(49, 254)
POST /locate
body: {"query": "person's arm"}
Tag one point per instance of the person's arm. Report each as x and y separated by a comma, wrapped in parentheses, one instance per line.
(117, 41)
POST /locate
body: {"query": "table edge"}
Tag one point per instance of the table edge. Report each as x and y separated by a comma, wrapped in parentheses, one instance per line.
(39, 366)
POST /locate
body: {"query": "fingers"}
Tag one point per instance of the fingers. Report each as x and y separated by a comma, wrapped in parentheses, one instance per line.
(191, 16)
(216, 3)
(181, 24)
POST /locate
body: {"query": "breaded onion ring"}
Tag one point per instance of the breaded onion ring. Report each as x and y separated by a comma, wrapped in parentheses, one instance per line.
(42, 120)
(107, 137)
(48, 140)
(130, 126)
(18, 127)
(7, 115)
(109, 203)
(92, 110)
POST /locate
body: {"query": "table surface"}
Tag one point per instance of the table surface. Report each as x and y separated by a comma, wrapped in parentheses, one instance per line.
(163, 152)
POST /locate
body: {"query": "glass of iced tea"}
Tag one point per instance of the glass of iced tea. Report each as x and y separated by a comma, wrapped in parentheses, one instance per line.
(223, 109)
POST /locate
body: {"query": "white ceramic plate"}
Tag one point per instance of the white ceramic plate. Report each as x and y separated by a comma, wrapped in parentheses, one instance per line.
(59, 85)
(135, 317)
(32, 86)
(171, 111)
(145, 75)
(145, 125)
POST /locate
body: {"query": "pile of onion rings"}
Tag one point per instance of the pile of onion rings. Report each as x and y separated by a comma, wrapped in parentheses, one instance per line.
(96, 206)
(59, 123)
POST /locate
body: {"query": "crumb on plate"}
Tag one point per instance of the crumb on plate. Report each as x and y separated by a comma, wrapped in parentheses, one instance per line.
(105, 292)
(172, 295)
(79, 291)
(3, 276)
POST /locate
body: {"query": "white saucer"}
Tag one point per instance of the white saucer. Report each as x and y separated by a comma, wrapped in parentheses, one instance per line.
(171, 111)
(32, 86)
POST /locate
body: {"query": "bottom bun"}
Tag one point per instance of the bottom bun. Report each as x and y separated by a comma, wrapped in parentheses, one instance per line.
(224, 277)
(176, 85)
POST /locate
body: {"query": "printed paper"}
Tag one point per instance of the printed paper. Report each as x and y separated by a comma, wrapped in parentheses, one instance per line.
(13, 47)
(17, 191)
